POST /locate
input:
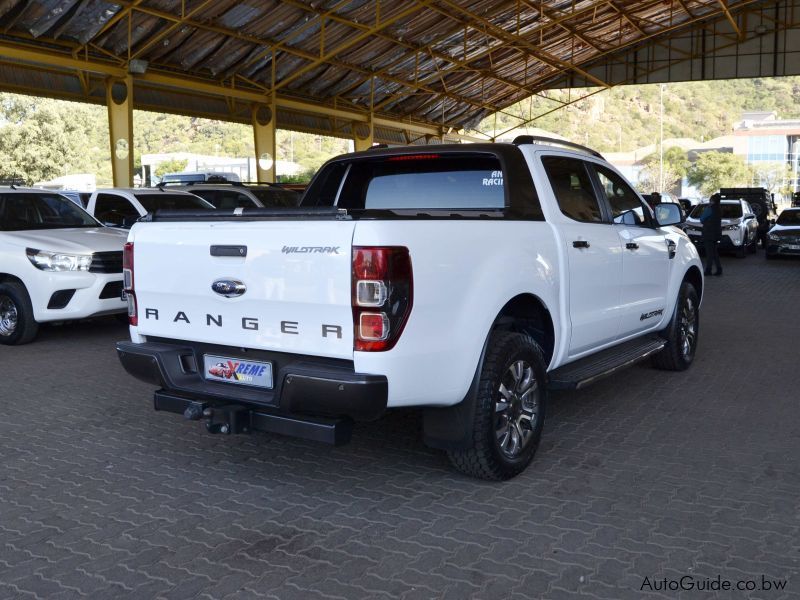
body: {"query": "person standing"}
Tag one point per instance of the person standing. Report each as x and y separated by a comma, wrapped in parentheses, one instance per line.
(712, 234)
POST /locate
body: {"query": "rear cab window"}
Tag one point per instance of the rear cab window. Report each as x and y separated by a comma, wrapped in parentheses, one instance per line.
(409, 182)
(428, 184)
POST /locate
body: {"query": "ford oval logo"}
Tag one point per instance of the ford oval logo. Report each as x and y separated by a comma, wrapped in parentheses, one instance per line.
(229, 288)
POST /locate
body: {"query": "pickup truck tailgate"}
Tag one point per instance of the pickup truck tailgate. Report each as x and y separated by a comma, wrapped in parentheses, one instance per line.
(296, 273)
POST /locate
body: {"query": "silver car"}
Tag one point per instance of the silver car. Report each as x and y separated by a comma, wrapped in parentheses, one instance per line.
(739, 226)
(235, 194)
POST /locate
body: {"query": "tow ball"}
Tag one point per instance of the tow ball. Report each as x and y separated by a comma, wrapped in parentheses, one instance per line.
(227, 419)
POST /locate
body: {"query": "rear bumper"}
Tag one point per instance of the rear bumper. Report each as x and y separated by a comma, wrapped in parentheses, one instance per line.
(302, 385)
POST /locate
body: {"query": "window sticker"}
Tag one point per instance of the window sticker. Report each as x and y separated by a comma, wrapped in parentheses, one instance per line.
(496, 178)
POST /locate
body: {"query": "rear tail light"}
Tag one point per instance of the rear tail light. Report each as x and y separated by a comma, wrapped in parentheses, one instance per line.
(128, 283)
(373, 327)
(382, 287)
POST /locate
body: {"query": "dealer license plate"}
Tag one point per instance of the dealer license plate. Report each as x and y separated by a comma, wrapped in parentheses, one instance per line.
(793, 246)
(238, 371)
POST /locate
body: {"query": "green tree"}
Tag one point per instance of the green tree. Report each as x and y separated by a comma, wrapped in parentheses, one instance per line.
(37, 142)
(174, 165)
(772, 175)
(676, 165)
(714, 170)
(302, 177)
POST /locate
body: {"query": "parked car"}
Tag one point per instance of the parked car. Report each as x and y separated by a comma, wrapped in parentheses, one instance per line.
(56, 263)
(440, 277)
(739, 227)
(188, 177)
(784, 237)
(688, 204)
(79, 198)
(242, 195)
(762, 204)
(122, 207)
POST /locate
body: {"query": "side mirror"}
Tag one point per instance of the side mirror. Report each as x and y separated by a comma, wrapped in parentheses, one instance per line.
(668, 213)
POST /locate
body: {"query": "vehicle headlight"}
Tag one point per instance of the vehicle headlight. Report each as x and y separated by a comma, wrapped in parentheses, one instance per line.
(773, 237)
(731, 228)
(58, 261)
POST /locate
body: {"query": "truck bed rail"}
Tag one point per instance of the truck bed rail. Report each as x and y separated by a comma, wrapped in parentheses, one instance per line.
(249, 214)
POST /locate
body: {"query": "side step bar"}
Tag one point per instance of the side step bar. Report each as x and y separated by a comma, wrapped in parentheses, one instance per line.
(585, 371)
(240, 418)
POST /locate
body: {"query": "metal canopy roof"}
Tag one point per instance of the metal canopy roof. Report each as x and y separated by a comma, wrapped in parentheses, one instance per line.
(424, 66)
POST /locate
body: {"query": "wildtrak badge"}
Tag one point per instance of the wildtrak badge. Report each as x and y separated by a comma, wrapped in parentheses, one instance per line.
(651, 314)
(310, 250)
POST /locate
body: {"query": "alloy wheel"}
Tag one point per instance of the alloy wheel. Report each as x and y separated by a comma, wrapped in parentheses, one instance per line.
(688, 329)
(8, 316)
(516, 408)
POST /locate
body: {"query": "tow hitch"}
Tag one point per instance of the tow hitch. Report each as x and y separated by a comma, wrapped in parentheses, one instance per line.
(242, 418)
(232, 418)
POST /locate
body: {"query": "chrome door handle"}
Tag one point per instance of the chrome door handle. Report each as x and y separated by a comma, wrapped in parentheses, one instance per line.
(580, 244)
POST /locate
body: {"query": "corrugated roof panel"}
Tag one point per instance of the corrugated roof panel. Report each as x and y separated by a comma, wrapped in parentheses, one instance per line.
(89, 19)
(445, 61)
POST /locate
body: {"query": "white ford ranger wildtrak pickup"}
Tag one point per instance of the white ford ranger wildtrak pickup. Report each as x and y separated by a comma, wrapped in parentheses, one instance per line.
(56, 263)
(465, 279)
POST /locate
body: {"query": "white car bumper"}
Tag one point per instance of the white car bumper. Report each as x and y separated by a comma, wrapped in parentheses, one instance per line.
(76, 295)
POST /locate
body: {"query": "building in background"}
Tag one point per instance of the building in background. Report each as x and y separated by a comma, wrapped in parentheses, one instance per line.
(761, 138)
(632, 163)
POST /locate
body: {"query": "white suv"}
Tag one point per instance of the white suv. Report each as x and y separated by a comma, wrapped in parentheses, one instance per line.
(56, 263)
(739, 226)
(122, 207)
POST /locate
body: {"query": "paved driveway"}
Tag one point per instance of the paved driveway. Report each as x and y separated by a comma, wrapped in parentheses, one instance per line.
(648, 475)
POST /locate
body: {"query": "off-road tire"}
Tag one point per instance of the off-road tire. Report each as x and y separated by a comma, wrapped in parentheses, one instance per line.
(26, 326)
(484, 459)
(673, 357)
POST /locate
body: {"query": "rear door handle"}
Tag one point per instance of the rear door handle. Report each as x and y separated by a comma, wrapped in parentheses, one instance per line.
(632, 246)
(580, 244)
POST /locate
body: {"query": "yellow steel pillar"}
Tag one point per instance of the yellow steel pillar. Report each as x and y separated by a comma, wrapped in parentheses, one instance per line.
(119, 98)
(363, 135)
(264, 136)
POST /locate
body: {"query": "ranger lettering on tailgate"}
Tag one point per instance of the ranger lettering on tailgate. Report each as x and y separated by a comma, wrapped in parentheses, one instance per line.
(248, 323)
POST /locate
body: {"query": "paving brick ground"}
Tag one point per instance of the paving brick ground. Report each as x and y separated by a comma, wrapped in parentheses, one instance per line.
(649, 474)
